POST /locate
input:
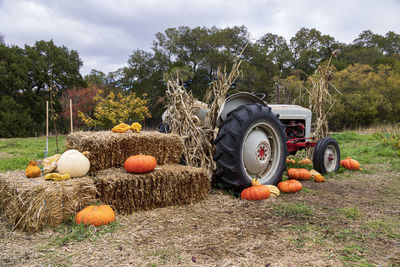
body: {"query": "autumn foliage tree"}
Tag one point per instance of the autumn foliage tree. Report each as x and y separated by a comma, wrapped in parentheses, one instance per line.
(82, 101)
(116, 108)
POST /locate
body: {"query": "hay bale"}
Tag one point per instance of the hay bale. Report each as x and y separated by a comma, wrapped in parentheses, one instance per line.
(165, 186)
(110, 150)
(30, 204)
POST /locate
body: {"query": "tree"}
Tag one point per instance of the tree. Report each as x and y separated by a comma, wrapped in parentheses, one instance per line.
(391, 44)
(116, 109)
(15, 120)
(82, 101)
(259, 73)
(365, 96)
(50, 60)
(14, 68)
(278, 50)
(387, 45)
(96, 78)
(362, 55)
(310, 47)
(366, 39)
(27, 74)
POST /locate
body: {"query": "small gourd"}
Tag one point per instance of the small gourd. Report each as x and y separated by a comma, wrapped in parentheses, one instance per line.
(318, 178)
(121, 128)
(57, 177)
(50, 163)
(95, 215)
(140, 163)
(136, 127)
(290, 186)
(275, 192)
(305, 161)
(350, 164)
(256, 191)
(299, 174)
(290, 161)
(32, 171)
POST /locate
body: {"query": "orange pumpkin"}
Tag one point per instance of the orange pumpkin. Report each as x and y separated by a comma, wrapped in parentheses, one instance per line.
(256, 191)
(350, 164)
(299, 174)
(305, 161)
(140, 163)
(290, 161)
(290, 186)
(32, 171)
(95, 215)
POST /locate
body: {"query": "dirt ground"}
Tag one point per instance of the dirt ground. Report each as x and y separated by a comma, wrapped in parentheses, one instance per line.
(352, 219)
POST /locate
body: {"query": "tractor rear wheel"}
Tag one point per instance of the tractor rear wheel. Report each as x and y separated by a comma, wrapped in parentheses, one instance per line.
(251, 144)
(326, 155)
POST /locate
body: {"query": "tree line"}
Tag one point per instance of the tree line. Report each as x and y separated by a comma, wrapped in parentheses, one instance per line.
(366, 73)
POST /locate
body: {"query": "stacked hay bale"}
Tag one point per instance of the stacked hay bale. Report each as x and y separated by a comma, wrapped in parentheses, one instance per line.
(167, 185)
(110, 150)
(30, 204)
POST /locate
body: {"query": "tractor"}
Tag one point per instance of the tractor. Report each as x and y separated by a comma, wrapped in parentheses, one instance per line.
(254, 140)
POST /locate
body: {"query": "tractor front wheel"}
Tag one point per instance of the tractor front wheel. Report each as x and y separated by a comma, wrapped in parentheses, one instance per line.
(326, 155)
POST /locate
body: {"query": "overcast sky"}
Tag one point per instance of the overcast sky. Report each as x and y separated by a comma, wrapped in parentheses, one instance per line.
(105, 32)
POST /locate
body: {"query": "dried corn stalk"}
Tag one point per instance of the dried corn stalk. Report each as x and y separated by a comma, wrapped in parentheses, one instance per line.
(183, 109)
(320, 99)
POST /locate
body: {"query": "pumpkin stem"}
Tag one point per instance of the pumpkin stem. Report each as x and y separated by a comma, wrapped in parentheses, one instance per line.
(255, 182)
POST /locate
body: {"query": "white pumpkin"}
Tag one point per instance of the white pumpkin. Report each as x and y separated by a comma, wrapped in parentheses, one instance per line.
(73, 162)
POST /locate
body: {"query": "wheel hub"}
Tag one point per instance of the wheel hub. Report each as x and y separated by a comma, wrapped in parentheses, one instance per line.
(256, 152)
(330, 158)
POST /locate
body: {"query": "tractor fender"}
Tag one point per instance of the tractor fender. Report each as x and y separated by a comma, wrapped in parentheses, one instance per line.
(231, 103)
(234, 101)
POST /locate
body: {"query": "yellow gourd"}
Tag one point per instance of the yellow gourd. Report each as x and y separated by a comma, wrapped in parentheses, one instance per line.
(318, 178)
(57, 177)
(121, 128)
(136, 127)
(274, 190)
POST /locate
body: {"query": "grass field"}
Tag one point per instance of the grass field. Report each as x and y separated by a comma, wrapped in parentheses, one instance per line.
(15, 153)
(353, 219)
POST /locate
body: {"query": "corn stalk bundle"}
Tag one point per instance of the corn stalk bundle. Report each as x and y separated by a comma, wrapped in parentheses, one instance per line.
(184, 108)
(321, 100)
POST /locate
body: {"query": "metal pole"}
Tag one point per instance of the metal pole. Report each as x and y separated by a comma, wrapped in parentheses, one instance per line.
(70, 112)
(47, 126)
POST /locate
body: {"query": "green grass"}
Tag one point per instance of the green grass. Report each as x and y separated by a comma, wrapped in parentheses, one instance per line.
(353, 256)
(293, 210)
(350, 212)
(384, 228)
(70, 232)
(15, 153)
(367, 149)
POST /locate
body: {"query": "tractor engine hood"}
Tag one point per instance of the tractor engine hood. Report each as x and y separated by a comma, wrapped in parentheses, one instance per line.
(293, 112)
